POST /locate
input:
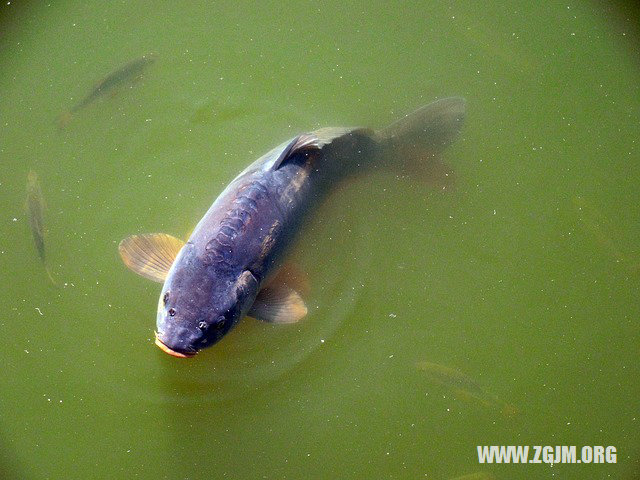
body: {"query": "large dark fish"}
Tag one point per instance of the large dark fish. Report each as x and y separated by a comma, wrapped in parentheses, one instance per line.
(231, 265)
(125, 75)
(35, 207)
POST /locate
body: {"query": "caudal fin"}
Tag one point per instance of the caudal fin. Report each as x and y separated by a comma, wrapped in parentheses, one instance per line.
(430, 128)
(53, 281)
(64, 119)
(414, 142)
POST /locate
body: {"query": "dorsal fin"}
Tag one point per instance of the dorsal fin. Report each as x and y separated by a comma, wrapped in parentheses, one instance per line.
(316, 140)
(305, 141)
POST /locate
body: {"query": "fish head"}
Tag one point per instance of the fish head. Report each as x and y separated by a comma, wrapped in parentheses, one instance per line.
(199, 305)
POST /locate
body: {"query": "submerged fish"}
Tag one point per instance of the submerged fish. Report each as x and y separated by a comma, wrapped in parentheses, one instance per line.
(35, 207)
(464, 386)
(127, 74)
(476, 476)
(229, 268)
(595, 222)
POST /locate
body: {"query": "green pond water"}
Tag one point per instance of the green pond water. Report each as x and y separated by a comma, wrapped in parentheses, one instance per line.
(525, 277)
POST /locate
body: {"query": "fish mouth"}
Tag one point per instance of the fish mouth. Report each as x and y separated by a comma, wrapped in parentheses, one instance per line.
(170, 351)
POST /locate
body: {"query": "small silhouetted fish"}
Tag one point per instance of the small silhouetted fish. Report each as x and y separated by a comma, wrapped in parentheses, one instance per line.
(595, 222)
(476, 476)
(35, 207)
(464, 386)
(125, 75)
(214, 111)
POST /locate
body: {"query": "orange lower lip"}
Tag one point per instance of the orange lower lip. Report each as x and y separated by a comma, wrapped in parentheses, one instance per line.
(173, 353)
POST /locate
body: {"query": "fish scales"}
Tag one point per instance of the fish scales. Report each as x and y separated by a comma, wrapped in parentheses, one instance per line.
(244, 207)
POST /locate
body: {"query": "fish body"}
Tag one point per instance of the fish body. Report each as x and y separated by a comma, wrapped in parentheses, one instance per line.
(35, 207)
(456, 380)
(124, 75)
(229, 267)
(476, 476)
(601, 229)
(242, 240)
(35, 212)
(464, 386)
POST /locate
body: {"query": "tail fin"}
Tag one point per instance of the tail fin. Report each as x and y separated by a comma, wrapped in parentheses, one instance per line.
(46, 267)
(64, 119)
(415, 142)
(429, 129)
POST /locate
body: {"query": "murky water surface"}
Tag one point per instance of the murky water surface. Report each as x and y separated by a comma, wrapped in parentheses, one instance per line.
(521, 286)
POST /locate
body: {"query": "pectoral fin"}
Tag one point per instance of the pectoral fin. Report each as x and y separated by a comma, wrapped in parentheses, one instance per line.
(278, 303)
(150, 255)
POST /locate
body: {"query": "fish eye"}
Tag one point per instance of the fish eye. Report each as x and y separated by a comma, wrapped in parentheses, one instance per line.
(219, 323)
(172, 312)
(165, 298)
